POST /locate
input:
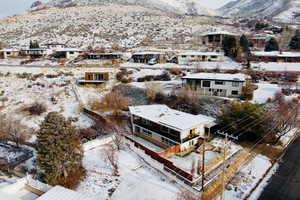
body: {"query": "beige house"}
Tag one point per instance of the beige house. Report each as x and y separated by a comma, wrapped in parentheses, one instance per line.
(9, 53)
(167, 127)
(67, 53)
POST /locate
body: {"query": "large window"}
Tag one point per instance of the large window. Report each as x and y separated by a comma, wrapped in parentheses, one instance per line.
(205, 83)
(234, 92)
(235, 84)
(219, 82)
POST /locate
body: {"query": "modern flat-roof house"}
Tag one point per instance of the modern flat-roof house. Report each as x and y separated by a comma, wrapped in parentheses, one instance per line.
(94, 78)
(105, 56)
(148, 57)
(34, 52)
(167, 127)
(216, 84)
(185, 58)
(276, 56)
(9, 53)
(54, 45)
(68, 53)
(259, 40)
(215, 38)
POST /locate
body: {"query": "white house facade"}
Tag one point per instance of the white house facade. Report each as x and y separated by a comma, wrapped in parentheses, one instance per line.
(216, 84)
(167, 127)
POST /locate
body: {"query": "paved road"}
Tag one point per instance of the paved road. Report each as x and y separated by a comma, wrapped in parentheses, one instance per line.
(285, 183)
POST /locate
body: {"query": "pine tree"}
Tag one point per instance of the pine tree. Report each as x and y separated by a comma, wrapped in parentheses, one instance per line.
(295, 41)
(244, 43)
(272, 45)
(59, 152)
(230, 46)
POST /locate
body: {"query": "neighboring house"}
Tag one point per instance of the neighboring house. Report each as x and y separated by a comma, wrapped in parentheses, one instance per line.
(54, 46)
(276, 56)
(61, 193)
(196, 56)
(167, 127)
(259, 40)
(33, 53)
(148, 57)
(94, 78)
(105, 56)
(216, 84)
(9, 53)
(215, 38)
(67, 53)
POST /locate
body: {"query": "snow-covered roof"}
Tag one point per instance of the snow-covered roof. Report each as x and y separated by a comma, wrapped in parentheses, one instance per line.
(61, 193)
(9, 50)
(196, 53)
(67, 49)
(218, 33)
(148, 53)
(171, 118)
(218, 76)
(8, 197)
(276, 54)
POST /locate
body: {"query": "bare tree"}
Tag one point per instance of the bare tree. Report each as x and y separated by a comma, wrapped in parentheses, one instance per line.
(152, 89)
(185, 195)
(285, 118)
(193, 168)
(15, 131)
(111, 158)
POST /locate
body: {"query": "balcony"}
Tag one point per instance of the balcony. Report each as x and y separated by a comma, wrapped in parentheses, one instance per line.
(173, 135)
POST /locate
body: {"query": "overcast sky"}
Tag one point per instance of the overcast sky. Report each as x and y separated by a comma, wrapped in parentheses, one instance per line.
(12, 7)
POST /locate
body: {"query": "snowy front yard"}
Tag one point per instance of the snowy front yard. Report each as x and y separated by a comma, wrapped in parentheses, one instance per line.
(136, 180)
(245, 180)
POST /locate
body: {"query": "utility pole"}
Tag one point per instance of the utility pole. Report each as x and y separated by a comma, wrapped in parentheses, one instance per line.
(224, 166)
(203, 165)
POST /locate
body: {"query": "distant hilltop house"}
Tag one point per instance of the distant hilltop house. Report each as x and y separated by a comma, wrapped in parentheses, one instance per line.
(33, 52)
(94, 78)
(9, 53)
(167, 127)
(54, 46)
(276, 56)
(67, 53)
(216, 84)
(259, 40)
(215, 38)
(196, 56)
(149, 57)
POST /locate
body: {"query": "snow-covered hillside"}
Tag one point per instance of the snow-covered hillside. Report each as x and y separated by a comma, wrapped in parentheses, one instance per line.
(102, 26)
(283, 10)
(189, 7)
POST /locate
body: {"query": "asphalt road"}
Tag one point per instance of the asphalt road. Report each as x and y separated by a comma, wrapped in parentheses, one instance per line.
(285, 183)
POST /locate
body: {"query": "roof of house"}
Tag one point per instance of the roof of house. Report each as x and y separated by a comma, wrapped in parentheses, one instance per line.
(9, 50)
(218, 76)
(67, 49)
(196, 53)
(8, 196)
(149, 53)
(171, 118)
(218, 33)
(276, 54)
(61, 193)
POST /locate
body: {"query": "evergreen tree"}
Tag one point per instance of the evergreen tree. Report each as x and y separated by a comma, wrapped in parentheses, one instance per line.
(272, 45)
(295, 41)
(59, 152)
(244, 43)
(34, 45)
(230, 46)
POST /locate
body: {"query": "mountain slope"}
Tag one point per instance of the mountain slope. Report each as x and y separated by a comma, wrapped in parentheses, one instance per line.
(284, 10)
(189, 7)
